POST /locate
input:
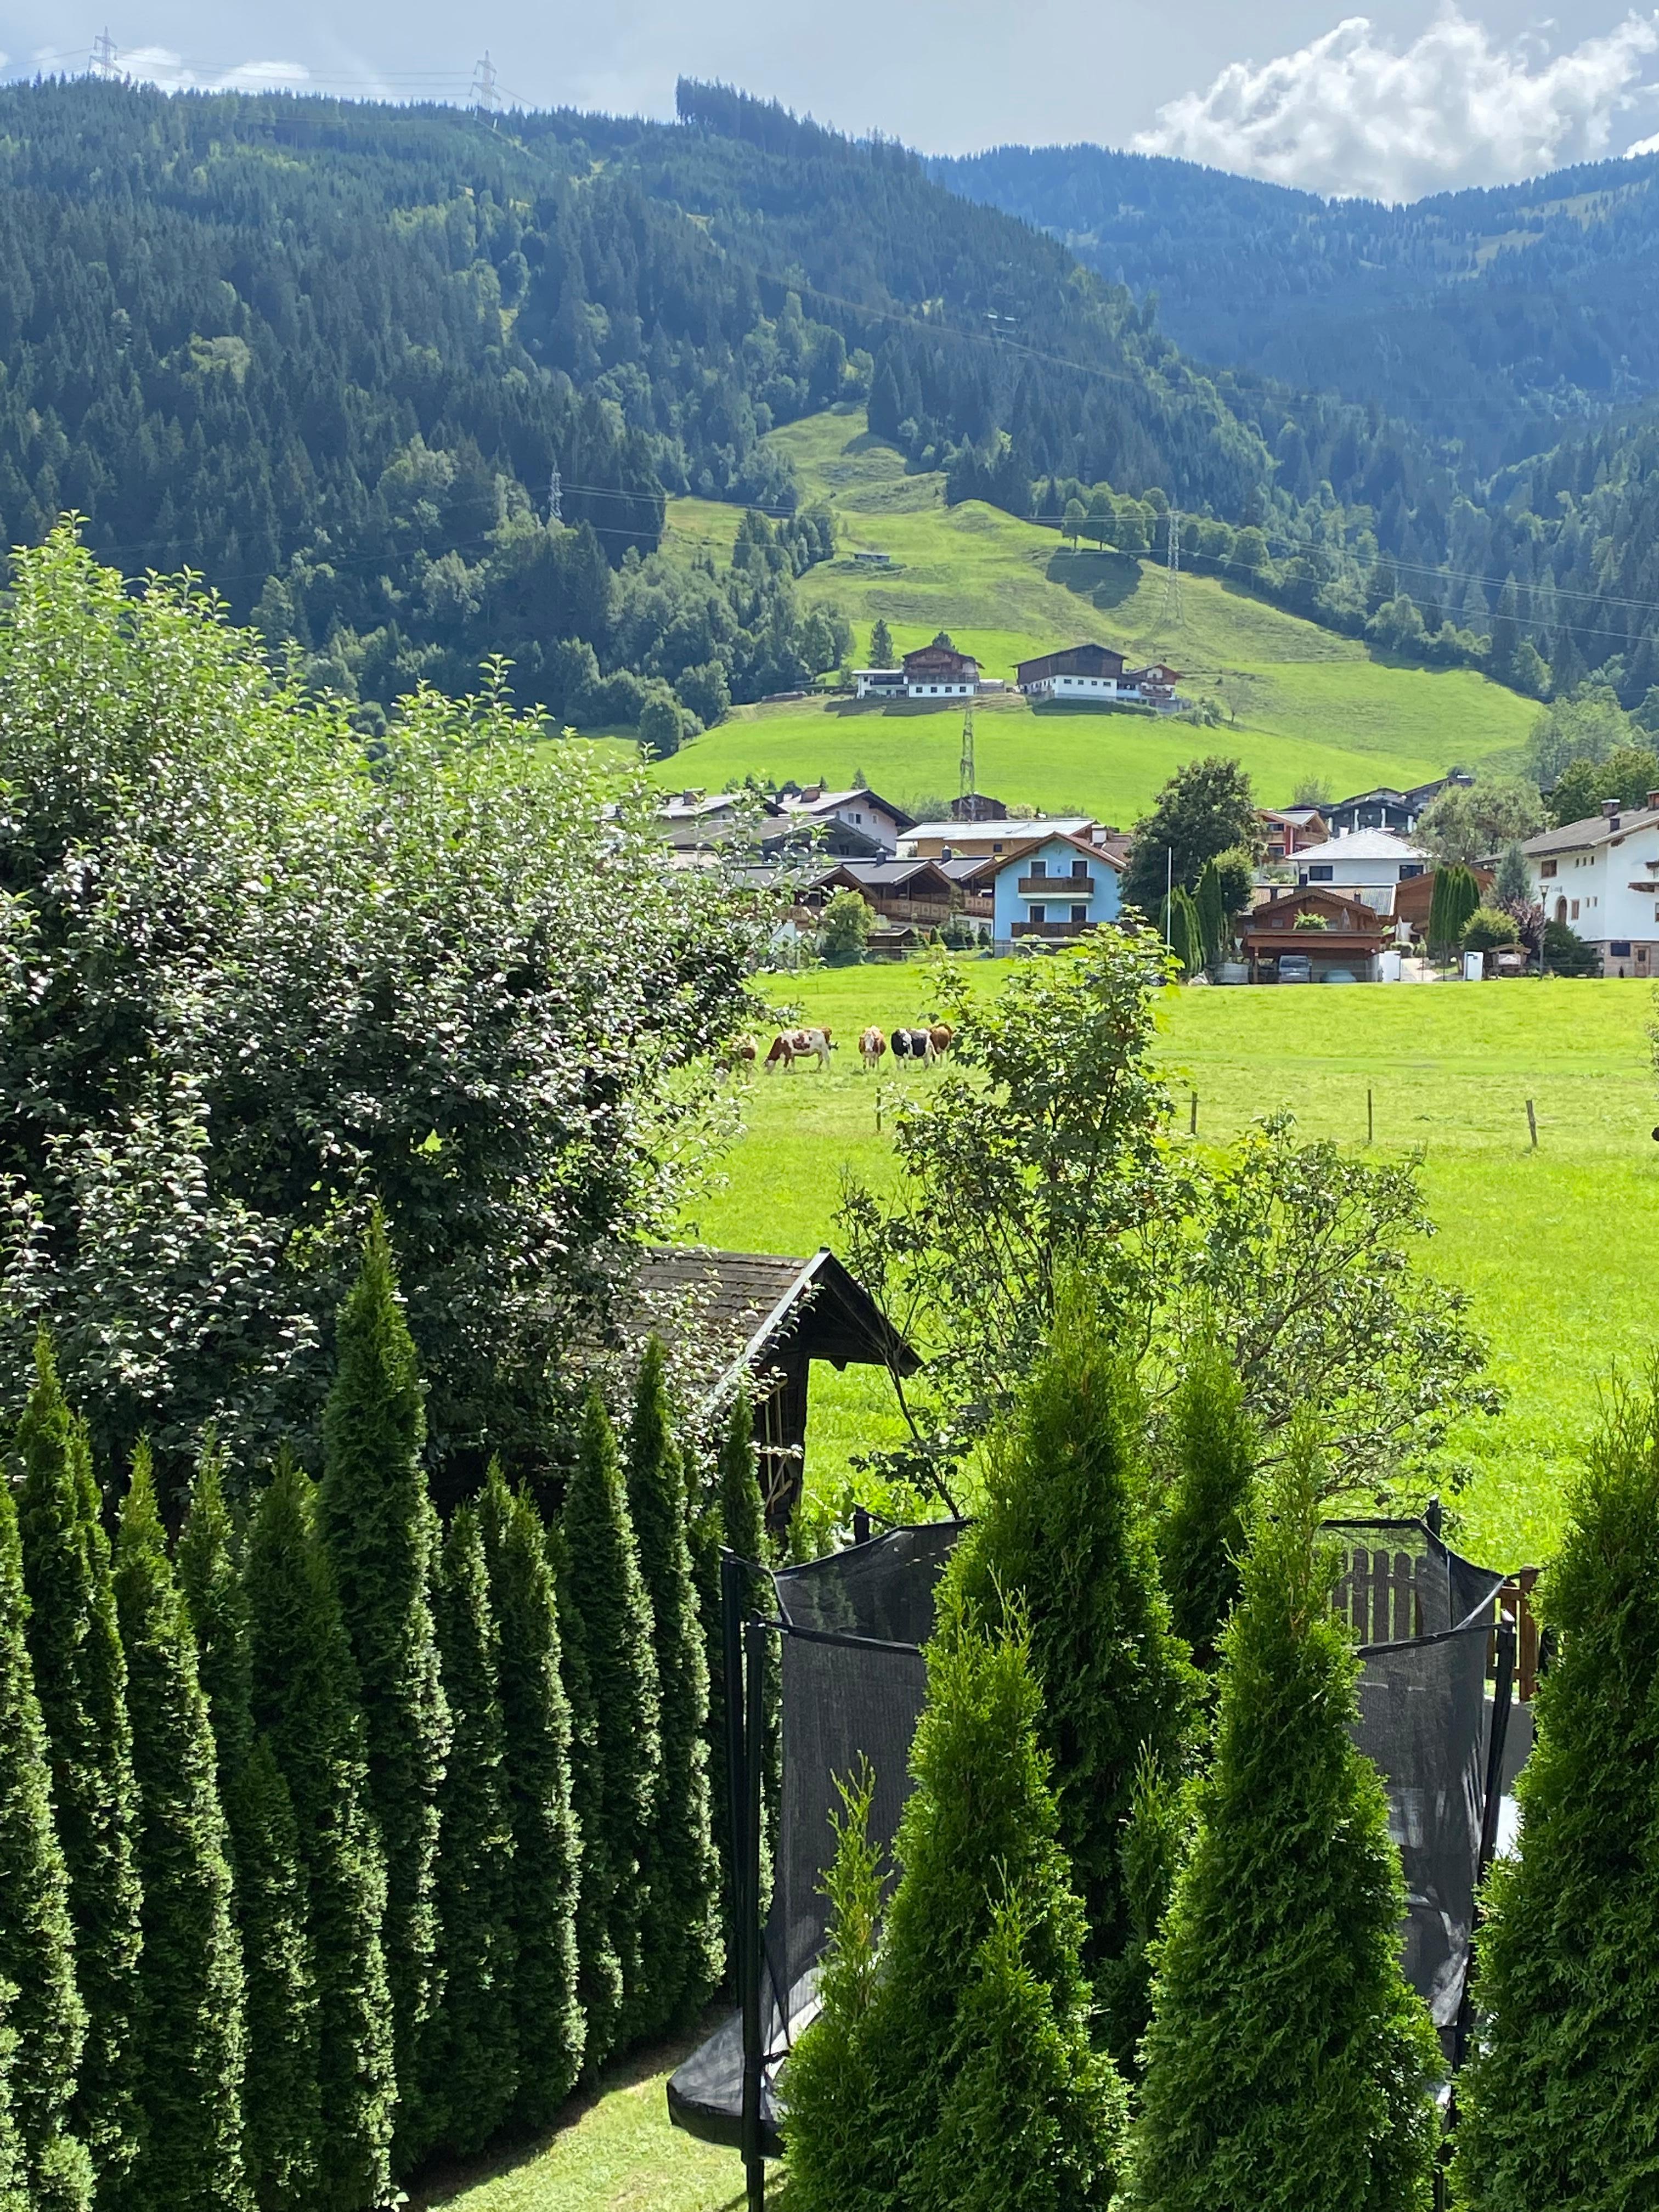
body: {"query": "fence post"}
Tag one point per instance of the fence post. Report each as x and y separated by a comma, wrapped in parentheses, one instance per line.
(1532, 1124)
(1194, 1121)
(1371, 1120)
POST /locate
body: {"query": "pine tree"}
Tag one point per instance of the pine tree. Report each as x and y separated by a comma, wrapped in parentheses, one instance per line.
(546, 1847)
(37, 1945)
(1288, 2064)
(304, 1701)
(1454, 897)
(1557, 2105)
(376, 1524)
(881, 644)
(474, 2075)
(1201, 1540)
(606, 1619)
(14, 2166)
(736, 1519)
(80, 1678)
(1063, 1537)
(280, 2112)
(189, 2058)
(1212, 910)
(682, 1880)
(954, 2067)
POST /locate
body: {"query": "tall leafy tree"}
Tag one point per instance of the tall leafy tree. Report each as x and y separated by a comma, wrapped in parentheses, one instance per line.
(954, 2065)
(1210, 901)
(81, 1679)
(281, 2117)
(1454, 897)
(606, 1621)
(37, 1944)
(1064, 1541)
(681, 1879)
(1288, 2062)
(376, 1524)
(189, 2058)
(1204, 809)
(546, 1845)
(474, 2068)
(1557, 2105)
(1200, 1542)
(306, 1703)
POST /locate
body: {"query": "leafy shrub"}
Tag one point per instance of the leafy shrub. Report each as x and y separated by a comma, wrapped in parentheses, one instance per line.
(845, 931)
(1566, 953)
(1488, 927)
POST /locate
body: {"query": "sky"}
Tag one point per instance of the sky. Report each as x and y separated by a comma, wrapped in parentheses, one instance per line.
(1413, 97)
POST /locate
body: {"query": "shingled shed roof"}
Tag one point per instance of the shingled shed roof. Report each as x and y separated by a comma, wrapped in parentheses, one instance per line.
(765, 1305)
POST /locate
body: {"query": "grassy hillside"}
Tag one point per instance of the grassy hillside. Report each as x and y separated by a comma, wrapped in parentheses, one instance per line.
(1307, 702)
(1552, 1244)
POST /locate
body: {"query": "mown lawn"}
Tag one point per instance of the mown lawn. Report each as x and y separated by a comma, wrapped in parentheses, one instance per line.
(1307, 702)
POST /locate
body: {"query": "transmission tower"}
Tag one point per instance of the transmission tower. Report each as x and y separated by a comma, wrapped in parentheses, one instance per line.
(486, 97)
(965, 776)
(106, 60)
(554, 497)
(1174, 613)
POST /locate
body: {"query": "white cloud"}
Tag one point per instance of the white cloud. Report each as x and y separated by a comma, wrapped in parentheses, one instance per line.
(1351, 114)
(160, 65)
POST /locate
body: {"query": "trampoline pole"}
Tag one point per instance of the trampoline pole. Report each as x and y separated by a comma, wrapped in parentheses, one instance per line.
(750, 1948)
(1503, 1694)
(733, 1597)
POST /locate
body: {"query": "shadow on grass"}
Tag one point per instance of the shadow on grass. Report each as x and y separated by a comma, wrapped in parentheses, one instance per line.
(1105, 579)
(447, 2180)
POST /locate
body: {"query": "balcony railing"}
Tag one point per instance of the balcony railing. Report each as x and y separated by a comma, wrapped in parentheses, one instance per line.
(1051, 929)
(1056, 887)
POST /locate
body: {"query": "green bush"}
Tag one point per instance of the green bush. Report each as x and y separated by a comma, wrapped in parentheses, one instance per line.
(1558, 2101)
(1566, 953)
(1487, 928)
(1454, 899)
(844, 932)
(1316, 922)
(1288, 2065)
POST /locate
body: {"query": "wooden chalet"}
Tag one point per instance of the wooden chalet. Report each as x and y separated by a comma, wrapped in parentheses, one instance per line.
(921, 894)
(1088, 660)
(1353, 936)
(768, 1319)
(936, 666)
(1415, 895)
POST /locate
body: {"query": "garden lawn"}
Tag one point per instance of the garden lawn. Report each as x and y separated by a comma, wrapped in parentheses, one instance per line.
(1301, 702)
(1554, 1245)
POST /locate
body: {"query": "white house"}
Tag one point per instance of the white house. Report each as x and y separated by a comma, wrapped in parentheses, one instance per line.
(931, 671)
(1367, 864)
(697, 819)
(1600, 877)
(861, 810)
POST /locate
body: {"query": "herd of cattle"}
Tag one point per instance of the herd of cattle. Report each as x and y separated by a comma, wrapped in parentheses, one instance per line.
(925, 1046)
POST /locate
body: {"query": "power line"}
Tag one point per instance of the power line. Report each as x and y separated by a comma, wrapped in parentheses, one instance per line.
(485, 97)
(106, 62)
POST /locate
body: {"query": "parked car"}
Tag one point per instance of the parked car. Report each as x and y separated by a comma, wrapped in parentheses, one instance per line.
(1295, 968)
(1339, 975)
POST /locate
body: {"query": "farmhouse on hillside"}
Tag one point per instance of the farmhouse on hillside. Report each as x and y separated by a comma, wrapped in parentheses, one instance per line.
(1055, 886)
(1346, 934)
(1095, 673)
(931, 671)
(1600, 877)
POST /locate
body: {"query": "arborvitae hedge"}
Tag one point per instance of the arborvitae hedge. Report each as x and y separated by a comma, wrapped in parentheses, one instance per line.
(955, 2068)
(605, 1619)
(1288, 2064)
(376, 1524)
(305, 1700)
(280, 2112)
(1063, 1537)
(1201, 1541)
(474, 2043)
(37, 1947)
(1558, 2102)
(80, 1678)
(548, 2026)
(736, 1519)
(14, 2169)
(682, 1880)
(188, 2058)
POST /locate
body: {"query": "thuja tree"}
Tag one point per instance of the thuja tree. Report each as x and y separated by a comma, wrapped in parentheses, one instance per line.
(189, 2058)
(682, 1922)
(606, 1621)
(81, 1679)
(954, 2065)
(36, 1946)
(1288, 2064)
(280, 2113)
(1213, 1444)
(1557, 2105)
(14, 2171)
(376, 1525)
(475, 2060)
(548, 2027)
(1064, 1538)
(306, 1703)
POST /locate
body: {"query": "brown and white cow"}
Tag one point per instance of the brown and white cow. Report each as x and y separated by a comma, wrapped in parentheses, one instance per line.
(791, 1045)
(782, 1053)
(872, 1045)
(943, 1035)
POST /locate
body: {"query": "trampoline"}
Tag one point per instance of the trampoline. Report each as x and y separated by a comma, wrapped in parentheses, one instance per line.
(1436, 1680)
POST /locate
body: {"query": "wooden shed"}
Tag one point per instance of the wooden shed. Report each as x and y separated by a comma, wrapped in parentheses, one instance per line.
(774, 1316)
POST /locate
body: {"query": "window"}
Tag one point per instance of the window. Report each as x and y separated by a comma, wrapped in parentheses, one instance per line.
(1575, 909)
(1039, 867)
(1409, 868)
(1619, 948)
(1322, 875)
(1547, 868)
(1039, 913)
(1079, 913)
(1080, 867)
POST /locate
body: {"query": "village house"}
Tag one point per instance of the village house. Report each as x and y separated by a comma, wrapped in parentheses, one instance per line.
(857, 809)
(1600, 877)
(1367, 864)
(1095, 673)
(914, 894)
(931, 671)
(1349, 943)
(1053, 885)
(697, 819)
(1385, 808)
(986, 839)
(1288, 829)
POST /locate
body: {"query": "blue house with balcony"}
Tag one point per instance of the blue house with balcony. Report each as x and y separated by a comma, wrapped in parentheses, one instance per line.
(1055, 887)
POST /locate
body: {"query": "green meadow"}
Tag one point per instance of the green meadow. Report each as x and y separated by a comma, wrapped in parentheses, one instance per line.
(1299, 701)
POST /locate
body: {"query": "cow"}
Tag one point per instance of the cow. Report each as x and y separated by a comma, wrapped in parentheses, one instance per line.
(741, 1055)
(913, 1044)
(872, 1045)
(812, 1044)
(943, 1035)
(782, 1053)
